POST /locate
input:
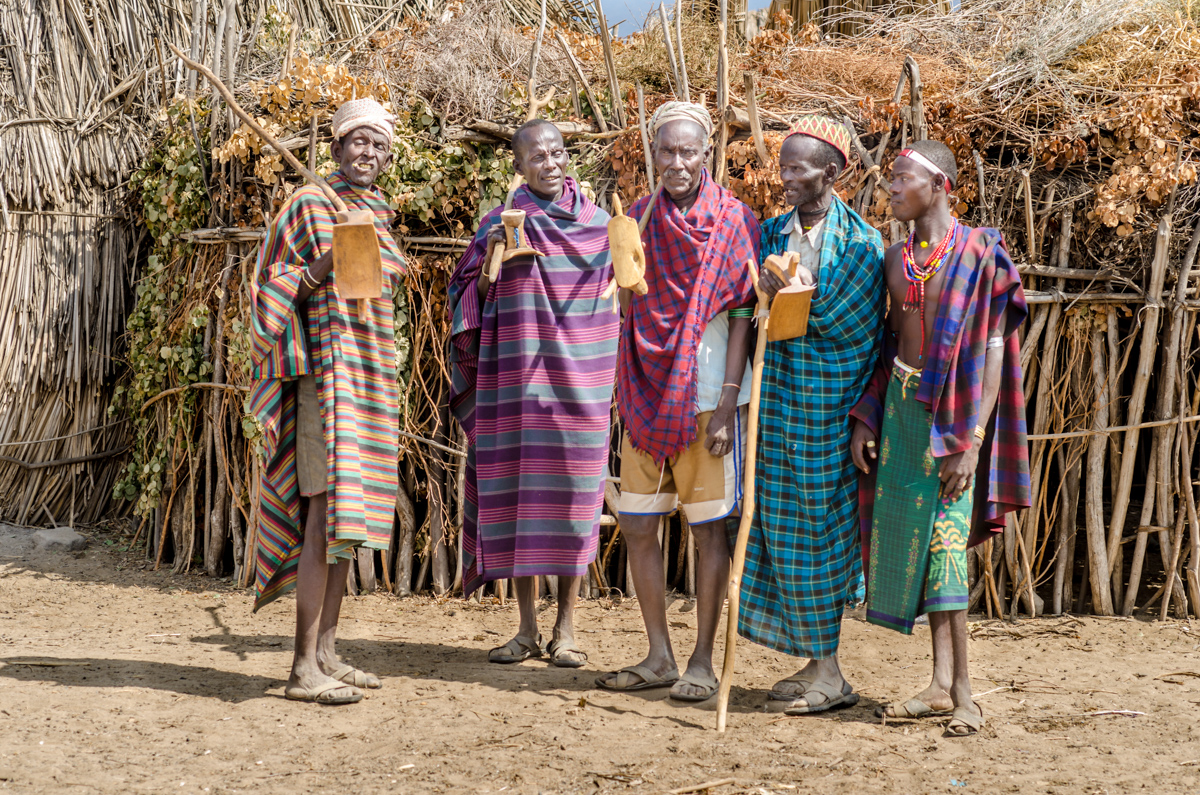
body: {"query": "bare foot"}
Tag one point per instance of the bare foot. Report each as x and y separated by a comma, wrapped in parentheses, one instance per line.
(663, 668)
(316, 686)
(936, 699)
(698, 683)
(793, 687)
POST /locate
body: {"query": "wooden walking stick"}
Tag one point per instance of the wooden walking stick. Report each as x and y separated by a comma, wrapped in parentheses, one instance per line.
(743, 536)
(357, 261)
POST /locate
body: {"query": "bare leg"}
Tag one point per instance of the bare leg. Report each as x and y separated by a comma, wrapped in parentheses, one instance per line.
(526, 644)
(526, 588)
(645, 565)
(937, 695)
(960, 689)
(314, 630)
(712, 581)
(564, 624)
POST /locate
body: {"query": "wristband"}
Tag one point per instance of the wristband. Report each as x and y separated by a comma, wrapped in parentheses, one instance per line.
(980, 433)
(741, 311)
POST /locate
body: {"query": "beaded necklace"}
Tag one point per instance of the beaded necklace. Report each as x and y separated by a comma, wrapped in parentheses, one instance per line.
(917, 275)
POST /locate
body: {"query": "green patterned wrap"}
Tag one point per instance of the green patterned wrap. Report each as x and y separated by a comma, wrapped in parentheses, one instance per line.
(919, 539)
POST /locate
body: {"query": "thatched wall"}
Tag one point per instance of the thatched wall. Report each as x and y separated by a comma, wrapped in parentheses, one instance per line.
(82, 89)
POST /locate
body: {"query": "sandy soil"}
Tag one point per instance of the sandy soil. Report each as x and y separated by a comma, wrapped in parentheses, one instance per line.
(118, 679)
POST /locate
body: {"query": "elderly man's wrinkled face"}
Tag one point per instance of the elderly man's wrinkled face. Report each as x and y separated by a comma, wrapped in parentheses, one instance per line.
(361, 154)
(541, 158)
(805, 180)
(680, 151)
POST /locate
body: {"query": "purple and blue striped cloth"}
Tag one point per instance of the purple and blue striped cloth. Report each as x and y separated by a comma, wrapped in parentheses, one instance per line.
(531, 384)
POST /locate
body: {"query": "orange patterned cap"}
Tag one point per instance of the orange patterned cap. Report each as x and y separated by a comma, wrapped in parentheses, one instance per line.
(824, 129)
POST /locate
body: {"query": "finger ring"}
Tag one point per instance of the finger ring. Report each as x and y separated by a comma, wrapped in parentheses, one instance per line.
(870, 444)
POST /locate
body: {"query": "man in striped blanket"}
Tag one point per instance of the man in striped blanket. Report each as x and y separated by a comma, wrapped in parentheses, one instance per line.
(325, 393)
(532, 365)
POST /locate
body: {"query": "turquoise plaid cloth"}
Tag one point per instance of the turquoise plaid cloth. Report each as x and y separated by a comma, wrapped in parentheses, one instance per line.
(803, 562)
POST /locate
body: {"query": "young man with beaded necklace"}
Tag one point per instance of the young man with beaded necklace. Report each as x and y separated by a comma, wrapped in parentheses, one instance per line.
(949, 403)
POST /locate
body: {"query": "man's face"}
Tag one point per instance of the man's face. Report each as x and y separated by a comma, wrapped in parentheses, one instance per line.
(541, 158)
(914, 190)
(361, 154)
(804, 181)
(680, 152)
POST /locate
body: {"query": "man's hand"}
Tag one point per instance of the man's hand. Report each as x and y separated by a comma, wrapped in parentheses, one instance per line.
(863, 446)
(318, 271)
(958, 471)
(496, 235)
(719, 441)
(322, 266)
(770, 283)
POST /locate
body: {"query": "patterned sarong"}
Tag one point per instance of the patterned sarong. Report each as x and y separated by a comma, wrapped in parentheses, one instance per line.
(919, 539)
(355, 367)
(981, 298)
(802, 562)
(531, 384)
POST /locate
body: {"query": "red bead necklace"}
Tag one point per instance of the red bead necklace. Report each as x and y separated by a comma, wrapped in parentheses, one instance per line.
(917, 275)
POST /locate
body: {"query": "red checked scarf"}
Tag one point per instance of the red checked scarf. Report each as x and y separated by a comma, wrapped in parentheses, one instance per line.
(695, 269)
(982, 297)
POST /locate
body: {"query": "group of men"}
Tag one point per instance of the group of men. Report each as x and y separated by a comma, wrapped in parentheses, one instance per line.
(853, 468)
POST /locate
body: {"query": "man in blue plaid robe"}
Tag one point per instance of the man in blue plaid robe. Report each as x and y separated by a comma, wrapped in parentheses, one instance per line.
(803, 561)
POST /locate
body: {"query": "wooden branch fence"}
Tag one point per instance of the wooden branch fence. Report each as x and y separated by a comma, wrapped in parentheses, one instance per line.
(1109, 354)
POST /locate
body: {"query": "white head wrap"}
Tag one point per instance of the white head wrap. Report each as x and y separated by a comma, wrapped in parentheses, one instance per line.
(675, 111)
(362, 113)
(927, 164)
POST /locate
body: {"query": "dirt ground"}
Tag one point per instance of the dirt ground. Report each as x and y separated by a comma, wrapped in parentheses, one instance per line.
(119, 679)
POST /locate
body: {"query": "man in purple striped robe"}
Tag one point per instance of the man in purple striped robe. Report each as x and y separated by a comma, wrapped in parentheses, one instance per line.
(532, 366)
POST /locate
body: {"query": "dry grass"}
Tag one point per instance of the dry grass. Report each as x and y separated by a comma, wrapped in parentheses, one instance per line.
(470, 63)
(642, 57)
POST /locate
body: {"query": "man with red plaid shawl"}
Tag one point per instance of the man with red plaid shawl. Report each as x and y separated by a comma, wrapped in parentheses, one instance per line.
(682, 383)
(945, 402)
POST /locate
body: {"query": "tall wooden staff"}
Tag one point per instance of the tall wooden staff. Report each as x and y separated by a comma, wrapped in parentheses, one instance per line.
(743, 537)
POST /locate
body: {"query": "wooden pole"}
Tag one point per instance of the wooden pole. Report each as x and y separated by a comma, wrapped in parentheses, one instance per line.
(587, 86)
(760, 146)
(720, 167)
(676, 86)
(683, 78)
(1141, 382)
(747, 517)
(610, 66)
(645, 137)
(1097, 449)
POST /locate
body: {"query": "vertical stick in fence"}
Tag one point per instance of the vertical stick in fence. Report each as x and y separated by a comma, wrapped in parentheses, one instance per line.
(686, 96)
(614, 87)
(720, 167)
(760, 146)
(645, 137)
(1141, 382)
(1070, 463)
(676, 84)
(1097, 449)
